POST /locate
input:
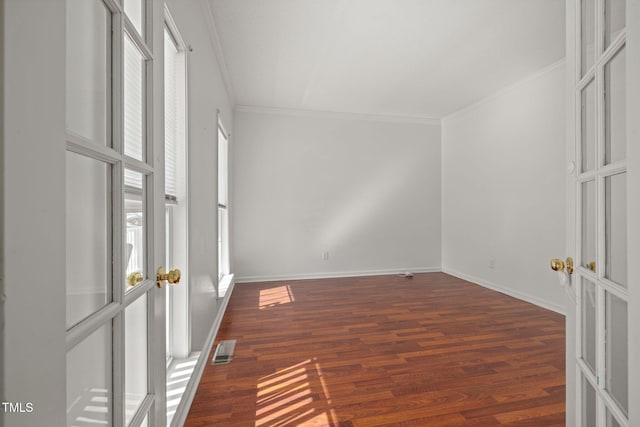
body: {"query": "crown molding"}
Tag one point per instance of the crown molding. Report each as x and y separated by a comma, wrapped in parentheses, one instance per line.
(319, 114)
(217, 49)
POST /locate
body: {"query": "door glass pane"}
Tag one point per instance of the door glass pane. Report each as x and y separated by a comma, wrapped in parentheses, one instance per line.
(135, 224)
(134, 124)
(88, 59)
(135, 335)
(168, 322)
(616, 356)
(169, 289)
(611, 421)
(88, 245)
(135, 12)
(89, 380)
(588, 210)
(587, 34)
(588, 309)
(614, 17)
(588, 127)
(615, 108)
(588, 404)
(616, 228)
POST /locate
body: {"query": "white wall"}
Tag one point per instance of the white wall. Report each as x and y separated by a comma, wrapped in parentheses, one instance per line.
(206, 94)
(34, 186)
(367, 192)
(502, 186)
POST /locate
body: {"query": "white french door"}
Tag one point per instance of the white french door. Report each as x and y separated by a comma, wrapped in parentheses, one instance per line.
(599, 189)
(114, 214)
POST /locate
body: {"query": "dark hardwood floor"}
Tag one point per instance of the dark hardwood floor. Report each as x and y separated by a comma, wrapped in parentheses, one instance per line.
(384, 351)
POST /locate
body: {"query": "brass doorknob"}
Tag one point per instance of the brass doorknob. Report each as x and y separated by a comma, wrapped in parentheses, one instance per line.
(173, 276)
(559, 265)
(591, 266)
(134, 278)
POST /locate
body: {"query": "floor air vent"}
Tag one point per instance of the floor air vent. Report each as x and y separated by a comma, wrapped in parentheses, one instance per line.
(224, 352)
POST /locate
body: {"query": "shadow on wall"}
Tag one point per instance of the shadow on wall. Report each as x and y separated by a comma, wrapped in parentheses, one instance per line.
(356, 213)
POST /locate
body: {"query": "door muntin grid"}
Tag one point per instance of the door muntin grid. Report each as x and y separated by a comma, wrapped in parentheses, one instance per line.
(97, 136)
(601, 222)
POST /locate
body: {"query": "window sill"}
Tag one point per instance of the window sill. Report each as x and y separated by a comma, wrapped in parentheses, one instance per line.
(224, 284)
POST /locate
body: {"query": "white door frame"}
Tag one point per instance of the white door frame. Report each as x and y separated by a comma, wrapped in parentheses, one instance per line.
(2, 294)
(157, 346)
(633, 201)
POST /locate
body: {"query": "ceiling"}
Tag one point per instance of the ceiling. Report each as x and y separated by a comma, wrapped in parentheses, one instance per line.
(408, 58)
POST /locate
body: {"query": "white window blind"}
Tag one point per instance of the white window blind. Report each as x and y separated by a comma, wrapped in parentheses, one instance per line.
(222, 168)
(171, 116)
(133, 101)
(133, 110)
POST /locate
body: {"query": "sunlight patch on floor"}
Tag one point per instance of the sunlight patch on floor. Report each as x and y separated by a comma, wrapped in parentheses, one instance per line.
(178, 375)
(293, 396)
(274, 297)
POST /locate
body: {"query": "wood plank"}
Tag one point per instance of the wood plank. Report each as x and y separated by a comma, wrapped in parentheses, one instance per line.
(383, 351)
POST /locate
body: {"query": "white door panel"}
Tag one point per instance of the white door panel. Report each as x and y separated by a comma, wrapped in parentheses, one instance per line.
(80, 344)
(600, 223)
(113, 182)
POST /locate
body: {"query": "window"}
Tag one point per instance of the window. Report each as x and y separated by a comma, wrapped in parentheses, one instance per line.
(170, 143)
(223, 204)
(176, 191)
(177, 333)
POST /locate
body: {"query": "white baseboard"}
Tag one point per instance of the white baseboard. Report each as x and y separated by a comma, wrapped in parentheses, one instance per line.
(336, 274)
(190, 391)
(504, 290)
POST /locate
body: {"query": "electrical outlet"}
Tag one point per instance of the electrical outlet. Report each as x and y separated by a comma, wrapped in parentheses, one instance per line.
(492, 263)
(325, 255)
